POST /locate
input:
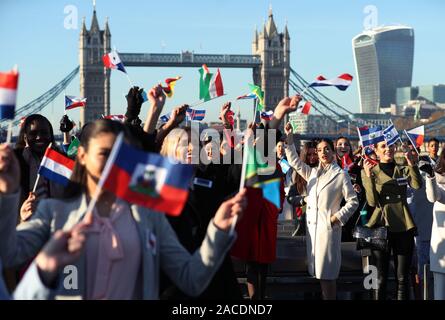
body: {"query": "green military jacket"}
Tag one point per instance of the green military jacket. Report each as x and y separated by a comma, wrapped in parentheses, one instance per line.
(389, 194)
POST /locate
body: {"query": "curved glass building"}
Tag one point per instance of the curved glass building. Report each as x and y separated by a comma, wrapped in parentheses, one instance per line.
(384, 62)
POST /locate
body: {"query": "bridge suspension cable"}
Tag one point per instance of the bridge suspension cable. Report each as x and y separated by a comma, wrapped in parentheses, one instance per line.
(46, 98)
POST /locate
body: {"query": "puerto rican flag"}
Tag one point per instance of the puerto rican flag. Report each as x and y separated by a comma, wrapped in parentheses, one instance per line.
(266, 115)
(147, 179)
(115, 117)
(56, 167)
(195, 115)
(72, 102)
(8, 93)
(342, 82)
(304, 108)
(112, 61)
(416, 135)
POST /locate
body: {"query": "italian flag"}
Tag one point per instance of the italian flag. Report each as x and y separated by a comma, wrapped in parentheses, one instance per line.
(210, 85)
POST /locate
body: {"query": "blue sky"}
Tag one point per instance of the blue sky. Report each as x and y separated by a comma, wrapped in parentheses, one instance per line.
(33, 36)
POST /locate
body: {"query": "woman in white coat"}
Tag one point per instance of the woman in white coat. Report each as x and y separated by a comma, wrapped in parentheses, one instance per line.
(327, 186)
(435, 192)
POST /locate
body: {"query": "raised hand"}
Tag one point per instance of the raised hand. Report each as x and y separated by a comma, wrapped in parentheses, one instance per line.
(66, 125)
(62, 249)
(229, 209)
(178, 115)
(223, 113)
(9, 170)
(367, 166)
(156, 96)
(28, 207)
(134, 103)
(286, 105)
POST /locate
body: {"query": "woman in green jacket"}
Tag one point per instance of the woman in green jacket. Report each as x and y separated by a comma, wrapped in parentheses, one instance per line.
(385, 185)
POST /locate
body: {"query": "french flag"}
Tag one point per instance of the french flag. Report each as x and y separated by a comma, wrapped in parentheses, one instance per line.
(416, 135)
(147, 179)
(112, 61)
(56, 167)
(72, 102)
(342, 82)
(266, 115)
(8, 93)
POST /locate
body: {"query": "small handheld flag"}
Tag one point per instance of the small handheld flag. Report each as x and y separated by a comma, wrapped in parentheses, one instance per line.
(170, 82)
(369, 136)
(195, 115)
(210, 85)
(56, 167)
(112, 61)
(391, 135)
(304, 108)
(342, 82)
(8, 93)
(266, 115)
(416, 136)
(259, 94)
(115, 117)
(147, 179)
(72, 102)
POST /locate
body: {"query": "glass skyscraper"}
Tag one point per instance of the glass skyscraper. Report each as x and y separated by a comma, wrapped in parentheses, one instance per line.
(384, 62)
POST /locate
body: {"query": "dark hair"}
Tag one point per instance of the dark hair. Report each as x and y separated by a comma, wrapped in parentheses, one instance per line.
(328, 141)
(93, 129)
(300, 183)
(440, 167)
(351, 154)
(21, 143)
(433, 140)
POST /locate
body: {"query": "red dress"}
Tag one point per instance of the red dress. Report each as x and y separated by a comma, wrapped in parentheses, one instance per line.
(257, 229)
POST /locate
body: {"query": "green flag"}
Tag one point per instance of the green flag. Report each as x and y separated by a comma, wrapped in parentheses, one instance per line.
(256, 90)
(204, 83)
(72, 149)
(260, 175)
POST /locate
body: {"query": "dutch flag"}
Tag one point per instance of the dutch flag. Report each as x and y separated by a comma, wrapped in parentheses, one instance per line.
(56, 167)
(342, 82)
(8, 93)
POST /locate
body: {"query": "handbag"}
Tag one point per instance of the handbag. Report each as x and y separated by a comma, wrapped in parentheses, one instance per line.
(370, 238)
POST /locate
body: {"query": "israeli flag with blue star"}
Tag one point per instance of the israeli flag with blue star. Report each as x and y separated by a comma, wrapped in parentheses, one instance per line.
(391, 135)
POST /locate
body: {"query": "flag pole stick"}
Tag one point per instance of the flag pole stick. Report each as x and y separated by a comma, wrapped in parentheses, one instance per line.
(9, 133)
(199, 102)
(38, 175)
(414, 145)
(129, 80)
(105, 173)
(241, 185)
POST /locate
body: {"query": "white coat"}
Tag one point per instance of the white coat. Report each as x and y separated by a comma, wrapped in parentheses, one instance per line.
(435, 191)
(326, 190)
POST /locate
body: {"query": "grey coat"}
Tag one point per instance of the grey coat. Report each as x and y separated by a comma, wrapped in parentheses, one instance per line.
(191, 273)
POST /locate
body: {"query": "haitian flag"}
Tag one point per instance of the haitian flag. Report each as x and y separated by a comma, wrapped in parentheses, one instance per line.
(147, 179)
(56, 167)
(8, 93)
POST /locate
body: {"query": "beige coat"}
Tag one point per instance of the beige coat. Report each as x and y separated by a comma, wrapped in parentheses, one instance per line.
(326, 190)
(435, 192)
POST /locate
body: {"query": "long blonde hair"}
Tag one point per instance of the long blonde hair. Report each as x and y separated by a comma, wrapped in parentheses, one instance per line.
(171, 142)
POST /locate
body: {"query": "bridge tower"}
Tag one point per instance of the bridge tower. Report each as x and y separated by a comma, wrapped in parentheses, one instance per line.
(274, 50)
(94, 78)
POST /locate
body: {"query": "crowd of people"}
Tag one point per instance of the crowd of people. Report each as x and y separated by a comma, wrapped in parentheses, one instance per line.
(125, 251)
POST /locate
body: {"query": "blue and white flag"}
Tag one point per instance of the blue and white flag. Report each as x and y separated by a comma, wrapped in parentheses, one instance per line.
(391, 135)
(165, 118)
(369, 136)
